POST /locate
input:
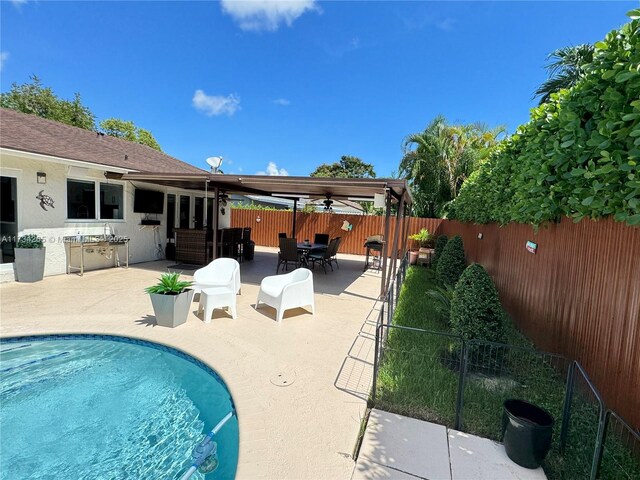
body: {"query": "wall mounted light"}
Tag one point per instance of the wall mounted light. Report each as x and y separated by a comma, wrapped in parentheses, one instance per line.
(258, 219)
(41, 177)
(480, 235)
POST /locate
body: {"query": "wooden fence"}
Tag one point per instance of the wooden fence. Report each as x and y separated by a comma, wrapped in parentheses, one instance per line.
(578, 295)
(266, 224)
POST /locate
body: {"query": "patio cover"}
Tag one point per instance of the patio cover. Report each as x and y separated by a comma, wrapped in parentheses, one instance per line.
(395, 191)
(337, 188)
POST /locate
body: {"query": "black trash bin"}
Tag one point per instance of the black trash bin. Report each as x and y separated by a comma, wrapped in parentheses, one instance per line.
(249, 249)
(527, 431)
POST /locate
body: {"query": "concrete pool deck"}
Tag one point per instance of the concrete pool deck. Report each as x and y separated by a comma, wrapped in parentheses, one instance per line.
(403, 448)
(305, 430)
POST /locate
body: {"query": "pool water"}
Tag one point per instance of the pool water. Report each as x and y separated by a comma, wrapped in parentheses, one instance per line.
(107, 408)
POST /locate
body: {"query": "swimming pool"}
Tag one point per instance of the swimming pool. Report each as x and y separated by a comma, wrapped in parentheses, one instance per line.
(88, 406)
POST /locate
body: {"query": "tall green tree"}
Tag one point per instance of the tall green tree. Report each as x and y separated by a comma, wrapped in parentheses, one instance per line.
(35, 99)
(347, 167)
(127, 130)
(439, 159)
(565, 67)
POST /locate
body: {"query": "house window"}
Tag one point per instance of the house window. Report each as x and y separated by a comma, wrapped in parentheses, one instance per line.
(81, 199)
(111, 201)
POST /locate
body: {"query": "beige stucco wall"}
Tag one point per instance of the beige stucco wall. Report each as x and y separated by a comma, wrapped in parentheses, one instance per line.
(146, 243)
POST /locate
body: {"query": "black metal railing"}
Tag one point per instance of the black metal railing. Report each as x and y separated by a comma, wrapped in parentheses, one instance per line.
(440, 377)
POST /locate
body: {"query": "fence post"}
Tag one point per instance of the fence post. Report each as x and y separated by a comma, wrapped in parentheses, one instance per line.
(597, 454)
(566, 409)
(461, 378)
(375, 364)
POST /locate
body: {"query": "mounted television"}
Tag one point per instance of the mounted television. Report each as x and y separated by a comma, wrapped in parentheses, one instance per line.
(148, 201)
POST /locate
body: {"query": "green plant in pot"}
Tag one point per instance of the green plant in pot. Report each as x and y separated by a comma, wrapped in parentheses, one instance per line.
(424, 240)
(171, 299)
(29, 258)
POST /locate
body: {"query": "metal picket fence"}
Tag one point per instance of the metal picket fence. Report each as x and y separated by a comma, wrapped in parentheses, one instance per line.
(442, 378)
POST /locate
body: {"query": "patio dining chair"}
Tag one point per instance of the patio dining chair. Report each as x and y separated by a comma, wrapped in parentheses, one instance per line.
(321, 239)
(333, 254)
(288, 253)
(225, 244)
(236, 243)
(324, 256)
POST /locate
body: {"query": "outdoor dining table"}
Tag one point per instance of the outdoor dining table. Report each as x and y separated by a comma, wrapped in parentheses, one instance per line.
(307, 248)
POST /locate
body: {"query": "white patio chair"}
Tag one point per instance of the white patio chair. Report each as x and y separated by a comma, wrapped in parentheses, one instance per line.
(222, 272)
(282, 292)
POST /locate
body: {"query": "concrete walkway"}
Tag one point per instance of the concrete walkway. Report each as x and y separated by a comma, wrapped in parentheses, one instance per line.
(402, 448)
(307, 430)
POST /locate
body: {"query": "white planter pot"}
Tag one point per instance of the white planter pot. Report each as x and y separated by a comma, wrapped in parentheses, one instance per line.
(29, 264)
(171, 310)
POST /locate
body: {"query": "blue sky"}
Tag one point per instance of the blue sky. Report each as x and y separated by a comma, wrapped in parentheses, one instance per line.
(281, 87)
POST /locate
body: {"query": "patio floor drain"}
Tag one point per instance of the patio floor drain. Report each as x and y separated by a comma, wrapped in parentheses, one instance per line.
(283, 379)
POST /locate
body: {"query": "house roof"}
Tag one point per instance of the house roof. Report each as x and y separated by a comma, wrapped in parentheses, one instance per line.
(33, 134)
(30, 133)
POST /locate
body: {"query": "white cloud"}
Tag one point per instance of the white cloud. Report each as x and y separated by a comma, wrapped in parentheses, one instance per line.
(426, 19)
(446, 25)
(17, 3)
(266, 15)
(216, 104)
(3, 58)
(282, 102)
(342, 49)
(273, 171)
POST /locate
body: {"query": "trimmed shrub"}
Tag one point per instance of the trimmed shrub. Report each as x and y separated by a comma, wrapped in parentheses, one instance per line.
(476, 312)
(441, 242)
(451, 263)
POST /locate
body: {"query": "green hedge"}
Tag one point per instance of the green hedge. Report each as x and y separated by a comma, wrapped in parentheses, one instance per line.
(451, 263)
(476, 311)
(441, 242)
(577, 156)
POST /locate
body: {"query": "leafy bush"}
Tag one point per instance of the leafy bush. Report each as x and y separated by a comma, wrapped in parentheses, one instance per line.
(476, 312)
(441, 300)
(577, 156)
(441, 242)
(256, 206)
(169, 284)
(30, 241)
(451, 263)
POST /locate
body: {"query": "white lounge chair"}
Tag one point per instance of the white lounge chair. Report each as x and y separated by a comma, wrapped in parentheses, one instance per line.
(282, 292)
(222, 272)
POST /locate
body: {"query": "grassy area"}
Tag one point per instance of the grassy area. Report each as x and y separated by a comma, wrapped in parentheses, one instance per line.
(419, 376)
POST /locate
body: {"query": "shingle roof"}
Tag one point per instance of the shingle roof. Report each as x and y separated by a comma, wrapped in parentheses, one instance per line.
(30, 133)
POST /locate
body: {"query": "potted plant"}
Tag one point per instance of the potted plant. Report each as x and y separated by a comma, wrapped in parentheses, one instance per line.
(29, 258)
(171, 299)
(424, 241)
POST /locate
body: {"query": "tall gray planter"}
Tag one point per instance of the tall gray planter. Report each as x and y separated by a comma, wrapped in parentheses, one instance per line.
(171, 310)
(29, 264)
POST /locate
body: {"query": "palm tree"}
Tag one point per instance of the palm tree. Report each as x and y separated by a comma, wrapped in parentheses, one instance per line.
(439, 159)
(566, 68)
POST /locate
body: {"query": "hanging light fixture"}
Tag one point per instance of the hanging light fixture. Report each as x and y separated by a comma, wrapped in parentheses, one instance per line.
(327, 204)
